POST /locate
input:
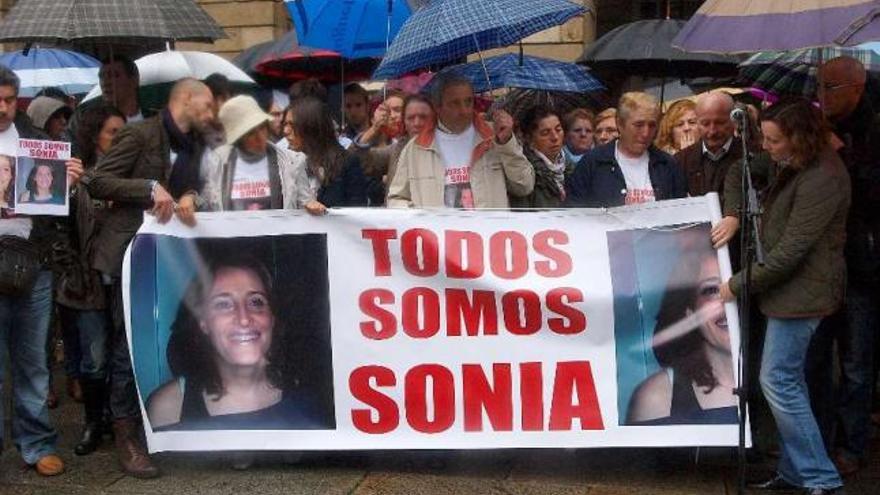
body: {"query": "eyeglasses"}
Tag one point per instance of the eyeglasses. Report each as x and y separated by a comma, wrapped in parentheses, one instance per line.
(834, 87)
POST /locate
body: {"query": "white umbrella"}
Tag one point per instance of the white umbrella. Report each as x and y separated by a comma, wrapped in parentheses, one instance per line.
(166, 67)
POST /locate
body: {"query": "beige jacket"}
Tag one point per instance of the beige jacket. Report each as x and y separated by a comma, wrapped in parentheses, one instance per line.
(496, 170)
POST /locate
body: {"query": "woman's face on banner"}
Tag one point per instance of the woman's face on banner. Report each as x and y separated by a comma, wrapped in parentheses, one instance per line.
(5, 173)
(43, 178)
(237, 318)
(714, 327)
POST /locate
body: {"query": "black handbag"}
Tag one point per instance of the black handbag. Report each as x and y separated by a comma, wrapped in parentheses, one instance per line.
(20, 264)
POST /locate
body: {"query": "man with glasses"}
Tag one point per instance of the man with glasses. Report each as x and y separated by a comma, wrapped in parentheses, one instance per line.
(856, 126)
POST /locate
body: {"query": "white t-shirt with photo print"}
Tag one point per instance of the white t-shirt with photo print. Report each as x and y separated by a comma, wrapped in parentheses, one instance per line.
(456, 151)
(637, 175)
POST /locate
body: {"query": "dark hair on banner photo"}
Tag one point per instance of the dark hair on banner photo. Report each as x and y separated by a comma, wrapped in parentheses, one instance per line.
(253, 309)
(673, 342)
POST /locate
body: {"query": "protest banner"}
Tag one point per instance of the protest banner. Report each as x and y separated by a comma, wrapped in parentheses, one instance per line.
(41, 178)
(392, 329)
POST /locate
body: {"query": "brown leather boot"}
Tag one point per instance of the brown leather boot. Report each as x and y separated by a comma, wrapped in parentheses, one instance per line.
(132, 455)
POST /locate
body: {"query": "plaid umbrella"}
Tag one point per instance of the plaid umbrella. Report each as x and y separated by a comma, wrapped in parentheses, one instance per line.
(796, 72)
(59, 21)
(645, 48)
(516, 71)
(446, 30)
(748, 26)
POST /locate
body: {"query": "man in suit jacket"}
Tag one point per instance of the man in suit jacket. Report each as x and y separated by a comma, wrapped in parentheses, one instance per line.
(152, 165)
(706, 162)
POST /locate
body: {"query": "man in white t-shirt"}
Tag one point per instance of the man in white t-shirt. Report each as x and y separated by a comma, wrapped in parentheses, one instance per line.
(25, 316)
(629, 170)
(461, 162)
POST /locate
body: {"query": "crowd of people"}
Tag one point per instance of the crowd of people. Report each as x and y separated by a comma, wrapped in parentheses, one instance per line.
(212, 150)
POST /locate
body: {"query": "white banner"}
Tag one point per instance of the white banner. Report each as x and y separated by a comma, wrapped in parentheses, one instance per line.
(409, 329)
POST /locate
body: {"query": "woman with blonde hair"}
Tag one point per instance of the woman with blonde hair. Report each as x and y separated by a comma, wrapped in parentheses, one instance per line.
(605, 127)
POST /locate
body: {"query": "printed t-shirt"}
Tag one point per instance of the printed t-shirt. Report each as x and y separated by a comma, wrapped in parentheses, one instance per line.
(638, 178)
(250, 186)
(456, 150)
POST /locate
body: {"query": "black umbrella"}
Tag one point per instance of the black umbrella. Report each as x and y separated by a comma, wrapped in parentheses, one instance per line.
(107, 21)
(286, 59)
(517, 101)
(282, 61)
(645, 48)
(248, 58)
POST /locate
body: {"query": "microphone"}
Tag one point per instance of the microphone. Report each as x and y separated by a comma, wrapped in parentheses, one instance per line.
(739, 114)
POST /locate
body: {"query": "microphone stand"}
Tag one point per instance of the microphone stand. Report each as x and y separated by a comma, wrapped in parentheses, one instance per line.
(751, 250)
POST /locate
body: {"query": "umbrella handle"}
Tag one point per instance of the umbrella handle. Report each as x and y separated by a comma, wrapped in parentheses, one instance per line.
(387, 42)
(485, 70)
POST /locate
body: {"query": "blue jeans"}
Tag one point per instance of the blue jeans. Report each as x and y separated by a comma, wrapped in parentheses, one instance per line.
(85, 342)
(803, 460)
(24, 328)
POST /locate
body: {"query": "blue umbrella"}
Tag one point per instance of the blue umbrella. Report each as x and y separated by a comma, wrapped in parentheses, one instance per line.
(515, 71)
(445, 30)
(40, 68)
(353, 28)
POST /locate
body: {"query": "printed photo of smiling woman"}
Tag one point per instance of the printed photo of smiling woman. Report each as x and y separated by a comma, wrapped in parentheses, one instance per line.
(692, 345)
(226, 354)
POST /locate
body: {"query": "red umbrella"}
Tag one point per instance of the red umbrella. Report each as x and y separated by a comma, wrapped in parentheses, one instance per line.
(286, 59)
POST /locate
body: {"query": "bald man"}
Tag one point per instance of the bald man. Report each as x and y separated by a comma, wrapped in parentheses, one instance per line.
(151, 166)
(846, 421)
(707, 162)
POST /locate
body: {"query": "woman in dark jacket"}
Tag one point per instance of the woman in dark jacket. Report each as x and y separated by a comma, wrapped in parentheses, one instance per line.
(335, 175)
(79, 294)
(801, 281)
(541, 130)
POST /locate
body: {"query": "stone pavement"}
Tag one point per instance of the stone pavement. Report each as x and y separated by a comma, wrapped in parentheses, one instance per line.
(505, 472)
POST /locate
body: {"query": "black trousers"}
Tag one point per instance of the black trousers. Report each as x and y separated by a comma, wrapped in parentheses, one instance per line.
(123, 392)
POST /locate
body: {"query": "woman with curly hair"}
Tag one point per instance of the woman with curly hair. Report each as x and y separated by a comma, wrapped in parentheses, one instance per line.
(227, 353)
(678, 127)
(803, 229)
(543, 136)
(696, 383)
